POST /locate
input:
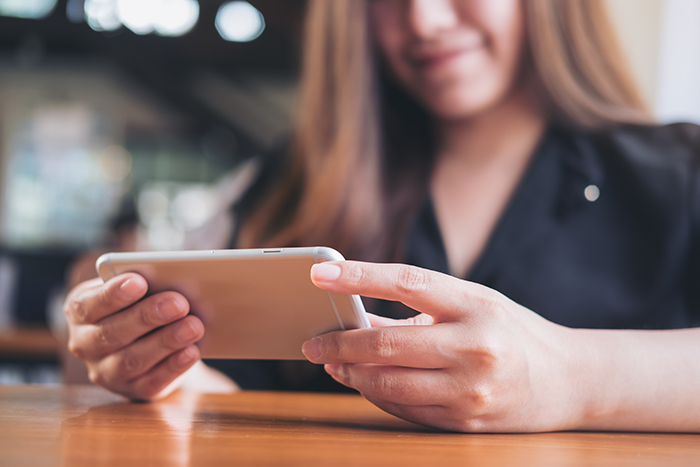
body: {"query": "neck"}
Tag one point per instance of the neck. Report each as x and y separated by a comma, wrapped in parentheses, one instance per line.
(510, 130)
(480, 162)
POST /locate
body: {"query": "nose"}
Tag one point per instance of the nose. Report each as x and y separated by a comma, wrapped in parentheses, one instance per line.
(430, 17)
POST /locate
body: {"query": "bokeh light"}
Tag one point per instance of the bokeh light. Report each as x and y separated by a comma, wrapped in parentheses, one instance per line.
(115, 162)
(192, 207)
(177, 18)
(138, 15)
(101, 15)
(239, 22)
(164, 17)
(32, 9)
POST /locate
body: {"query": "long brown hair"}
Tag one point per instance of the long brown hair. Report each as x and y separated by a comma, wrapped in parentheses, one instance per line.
(362, 153)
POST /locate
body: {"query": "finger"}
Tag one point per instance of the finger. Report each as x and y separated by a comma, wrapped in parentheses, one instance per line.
(407, 386)
(151, 385)
(380, 321)
(408, 346)
(439, 295)
(418, 320)
(121, 329)
(138, 358)
(433, 416)
(92, 301)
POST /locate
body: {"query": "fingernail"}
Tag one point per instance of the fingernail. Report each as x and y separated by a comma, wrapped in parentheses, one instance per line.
(129, 290)
(325, 272)
(332, 369)
(312, 348)
(168, 310)
(188, 331)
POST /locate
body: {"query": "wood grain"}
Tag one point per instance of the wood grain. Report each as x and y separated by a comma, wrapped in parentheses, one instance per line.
(77, 426)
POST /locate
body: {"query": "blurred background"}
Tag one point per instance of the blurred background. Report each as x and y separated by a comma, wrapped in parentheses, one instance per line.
(128, 124)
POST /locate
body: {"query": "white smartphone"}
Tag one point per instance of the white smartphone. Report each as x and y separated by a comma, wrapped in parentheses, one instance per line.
(255, 304)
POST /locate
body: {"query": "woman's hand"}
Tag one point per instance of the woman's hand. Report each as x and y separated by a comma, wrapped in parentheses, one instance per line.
(134, 347)
(473, 360)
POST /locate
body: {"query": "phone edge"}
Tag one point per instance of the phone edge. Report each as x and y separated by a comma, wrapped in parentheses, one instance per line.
(102, 271)
(323, 253)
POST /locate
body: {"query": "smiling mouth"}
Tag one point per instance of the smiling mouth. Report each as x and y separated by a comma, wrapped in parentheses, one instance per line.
(439, 59)
(426, 59)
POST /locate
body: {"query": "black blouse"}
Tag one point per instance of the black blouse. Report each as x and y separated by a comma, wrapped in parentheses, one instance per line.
(602, 232)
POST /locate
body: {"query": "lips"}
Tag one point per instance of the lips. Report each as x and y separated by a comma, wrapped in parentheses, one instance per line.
(437, 59)
(434, 55)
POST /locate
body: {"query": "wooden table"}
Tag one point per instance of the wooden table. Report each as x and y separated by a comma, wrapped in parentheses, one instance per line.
(80, 425)
(28, 343)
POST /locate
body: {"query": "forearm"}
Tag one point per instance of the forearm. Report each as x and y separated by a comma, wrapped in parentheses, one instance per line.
(637, 380)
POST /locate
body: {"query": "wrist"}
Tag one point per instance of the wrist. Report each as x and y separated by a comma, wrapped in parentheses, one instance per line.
(571, 372)
(594, 378)
(580, 367)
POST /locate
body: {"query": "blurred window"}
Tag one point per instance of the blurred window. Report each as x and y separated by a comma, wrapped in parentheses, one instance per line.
(64, 176)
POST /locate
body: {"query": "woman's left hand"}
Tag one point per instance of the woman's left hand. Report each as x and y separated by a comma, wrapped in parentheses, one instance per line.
(472, 360)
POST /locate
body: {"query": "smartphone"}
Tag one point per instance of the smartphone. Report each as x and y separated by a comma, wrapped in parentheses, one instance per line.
(255, 304)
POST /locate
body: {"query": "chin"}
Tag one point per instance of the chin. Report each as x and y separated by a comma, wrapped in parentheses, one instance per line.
(457, 100)
(459, 107)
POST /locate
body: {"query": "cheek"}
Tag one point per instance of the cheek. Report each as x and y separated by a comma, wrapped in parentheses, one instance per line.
(391, 39)
(503, 21)
(387, 30)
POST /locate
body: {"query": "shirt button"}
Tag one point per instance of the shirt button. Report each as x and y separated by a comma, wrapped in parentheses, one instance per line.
(592, 193)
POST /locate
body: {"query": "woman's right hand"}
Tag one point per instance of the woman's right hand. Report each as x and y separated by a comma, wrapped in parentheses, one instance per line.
(133, 347)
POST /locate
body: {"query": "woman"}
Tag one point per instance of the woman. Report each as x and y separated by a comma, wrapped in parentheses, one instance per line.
(500, 141)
